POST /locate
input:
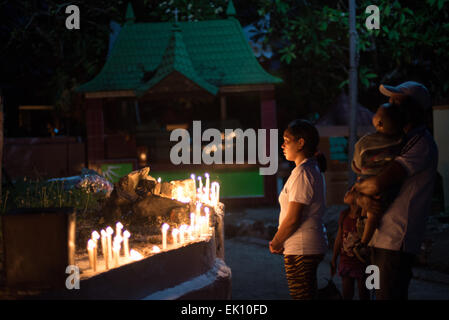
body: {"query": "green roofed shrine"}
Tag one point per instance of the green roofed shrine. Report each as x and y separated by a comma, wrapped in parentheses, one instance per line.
(152, 64)
(211, 54)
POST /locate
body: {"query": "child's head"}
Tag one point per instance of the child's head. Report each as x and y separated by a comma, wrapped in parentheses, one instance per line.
(388, 119)
(350, 197)
(300, 136)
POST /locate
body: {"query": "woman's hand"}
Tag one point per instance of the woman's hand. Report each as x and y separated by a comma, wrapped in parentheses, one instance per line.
(276, 248)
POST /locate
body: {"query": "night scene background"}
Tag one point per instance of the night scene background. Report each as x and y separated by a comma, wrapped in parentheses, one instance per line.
(83, 108)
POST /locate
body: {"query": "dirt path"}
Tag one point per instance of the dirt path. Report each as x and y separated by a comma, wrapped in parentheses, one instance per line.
(259, 275)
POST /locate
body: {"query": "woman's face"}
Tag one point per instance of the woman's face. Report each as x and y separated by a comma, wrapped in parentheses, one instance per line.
(291, 146)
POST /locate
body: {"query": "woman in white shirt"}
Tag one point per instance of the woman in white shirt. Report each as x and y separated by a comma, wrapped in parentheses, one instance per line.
(301, 237)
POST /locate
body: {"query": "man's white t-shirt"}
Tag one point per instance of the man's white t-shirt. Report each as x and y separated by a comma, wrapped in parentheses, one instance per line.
(402, 226)
(305, 185)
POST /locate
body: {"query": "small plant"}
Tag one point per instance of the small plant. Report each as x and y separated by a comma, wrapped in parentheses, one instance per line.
(43, 194)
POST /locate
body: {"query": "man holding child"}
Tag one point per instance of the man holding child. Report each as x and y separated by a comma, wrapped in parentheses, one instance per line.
(401, 226)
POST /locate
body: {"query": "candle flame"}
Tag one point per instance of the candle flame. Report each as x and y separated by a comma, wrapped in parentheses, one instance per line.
(118, 239)
(116, 246)
(126, 234)
(206, 209)
(95, 235)
(90, 244)
(103, 233)
(180, 196)
(156, 249)
(165, 227)
(159, 180)
(109, 230)
(119, 225)
(136, 256)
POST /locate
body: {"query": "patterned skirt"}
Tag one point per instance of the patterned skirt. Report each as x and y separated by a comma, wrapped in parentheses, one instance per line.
(301, 275)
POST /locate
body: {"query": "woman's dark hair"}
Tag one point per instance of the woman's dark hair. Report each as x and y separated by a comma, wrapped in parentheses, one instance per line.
(321, 160)
(300, 128)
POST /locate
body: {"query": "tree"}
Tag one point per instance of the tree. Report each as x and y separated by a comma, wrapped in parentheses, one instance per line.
(311, 41)
(45, 60)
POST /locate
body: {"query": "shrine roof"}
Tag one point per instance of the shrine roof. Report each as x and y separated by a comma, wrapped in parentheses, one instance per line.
(210, 53)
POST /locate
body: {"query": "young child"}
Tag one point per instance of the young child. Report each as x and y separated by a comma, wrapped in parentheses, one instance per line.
(371, 154)
(350, 269)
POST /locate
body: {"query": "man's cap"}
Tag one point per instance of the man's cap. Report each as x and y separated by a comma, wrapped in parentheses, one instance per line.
(415, 90)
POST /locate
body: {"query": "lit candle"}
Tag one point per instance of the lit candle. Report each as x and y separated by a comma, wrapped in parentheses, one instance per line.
(116, 249)
(200, 183)
(95, 237)
(118, 229)
(192, 220)
(109, 231)
(216, 187)
(198, 209)
(164, 236)
(104, 248)
(204, 226)
(174, 234)
(126, 236)
(90, 251)
(192, 176)
(206, 210)
(207, 186)
(155, 249)
(197, 218)
(189, 233)
(182, 231)
(197, 230)
(118, 239)
(136, 256)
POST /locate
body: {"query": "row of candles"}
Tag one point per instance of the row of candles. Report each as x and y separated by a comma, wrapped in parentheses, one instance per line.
(198, 228)
(209, 193)
(111, 249)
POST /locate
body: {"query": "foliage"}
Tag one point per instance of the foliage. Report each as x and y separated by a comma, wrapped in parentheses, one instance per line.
(312, 40)
(42, 194)
(42, 57)
(188, 10)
